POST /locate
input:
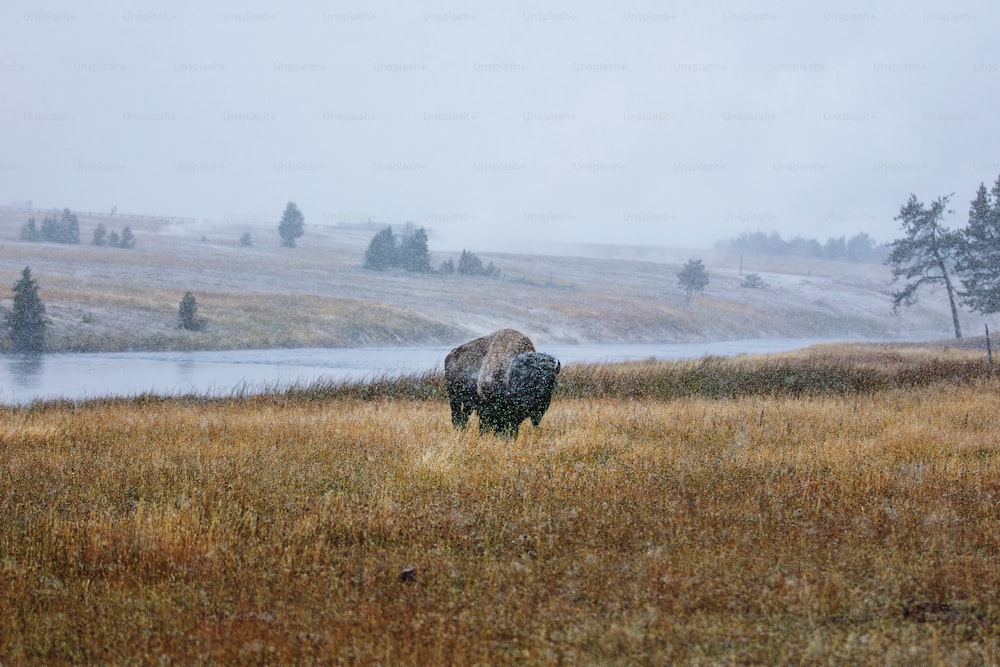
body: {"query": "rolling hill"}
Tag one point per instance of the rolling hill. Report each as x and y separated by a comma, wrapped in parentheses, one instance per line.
(317, 294)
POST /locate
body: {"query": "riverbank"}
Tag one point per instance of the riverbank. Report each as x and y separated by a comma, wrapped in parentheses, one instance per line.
(85, 376)
(317, 295)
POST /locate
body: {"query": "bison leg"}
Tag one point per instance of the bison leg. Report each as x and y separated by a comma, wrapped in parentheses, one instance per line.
(506, 427)
(462, 405)
(460, 412)
(491, 419)
(486, 421)
(501, 419)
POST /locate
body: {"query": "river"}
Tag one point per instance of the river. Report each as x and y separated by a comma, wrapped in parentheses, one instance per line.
(80, 376)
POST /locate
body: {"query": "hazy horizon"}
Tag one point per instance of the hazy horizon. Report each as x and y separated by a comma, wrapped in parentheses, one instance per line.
(635, 124)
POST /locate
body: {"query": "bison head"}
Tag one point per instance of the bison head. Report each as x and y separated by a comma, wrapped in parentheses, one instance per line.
(530, 381)
(524, 394)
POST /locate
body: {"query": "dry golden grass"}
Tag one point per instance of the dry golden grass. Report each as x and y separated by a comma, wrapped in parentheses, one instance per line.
(827, 528)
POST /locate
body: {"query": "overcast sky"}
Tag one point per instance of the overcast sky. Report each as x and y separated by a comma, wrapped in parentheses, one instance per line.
(669, 123)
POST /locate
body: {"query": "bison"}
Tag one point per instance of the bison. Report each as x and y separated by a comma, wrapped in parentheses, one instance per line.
(503, 379)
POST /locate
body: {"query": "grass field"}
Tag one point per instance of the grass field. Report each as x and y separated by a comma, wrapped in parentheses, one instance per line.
(826, 520)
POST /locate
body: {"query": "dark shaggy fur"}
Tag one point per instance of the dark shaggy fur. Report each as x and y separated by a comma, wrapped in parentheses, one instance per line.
(503, 379)
(527, 391)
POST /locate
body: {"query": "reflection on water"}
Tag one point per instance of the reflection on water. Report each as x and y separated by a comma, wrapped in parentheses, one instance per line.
(186, 368)
(77, 376)
(25, 369)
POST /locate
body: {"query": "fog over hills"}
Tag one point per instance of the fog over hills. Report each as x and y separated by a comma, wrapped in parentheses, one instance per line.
(318, 294)
(644, 123)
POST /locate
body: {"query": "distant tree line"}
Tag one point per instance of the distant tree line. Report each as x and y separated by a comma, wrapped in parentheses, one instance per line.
(62, 229)
(65, 228)
(858, 248)
(469, 264)
(409, 252)
(112, 239)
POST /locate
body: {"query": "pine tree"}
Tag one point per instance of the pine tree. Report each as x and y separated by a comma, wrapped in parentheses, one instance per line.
(65, 229)
(128, 239)
(469, 264)
(50, 229)
(925, 255)
(69, 228)
(26, 319)
(30, 231)
(413, 252)
(100, 235)
(292, 225)
(187, 313)
(978, 257)
(382, 252)
(693, 277)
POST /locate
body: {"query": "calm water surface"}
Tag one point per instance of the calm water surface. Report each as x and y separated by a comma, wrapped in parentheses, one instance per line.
(94, 375)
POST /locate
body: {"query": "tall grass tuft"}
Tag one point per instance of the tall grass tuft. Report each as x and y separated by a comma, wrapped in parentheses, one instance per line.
(816, 372)
(820, 370)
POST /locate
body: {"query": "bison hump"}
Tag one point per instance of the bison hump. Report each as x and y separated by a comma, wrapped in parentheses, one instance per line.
(502, 347)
